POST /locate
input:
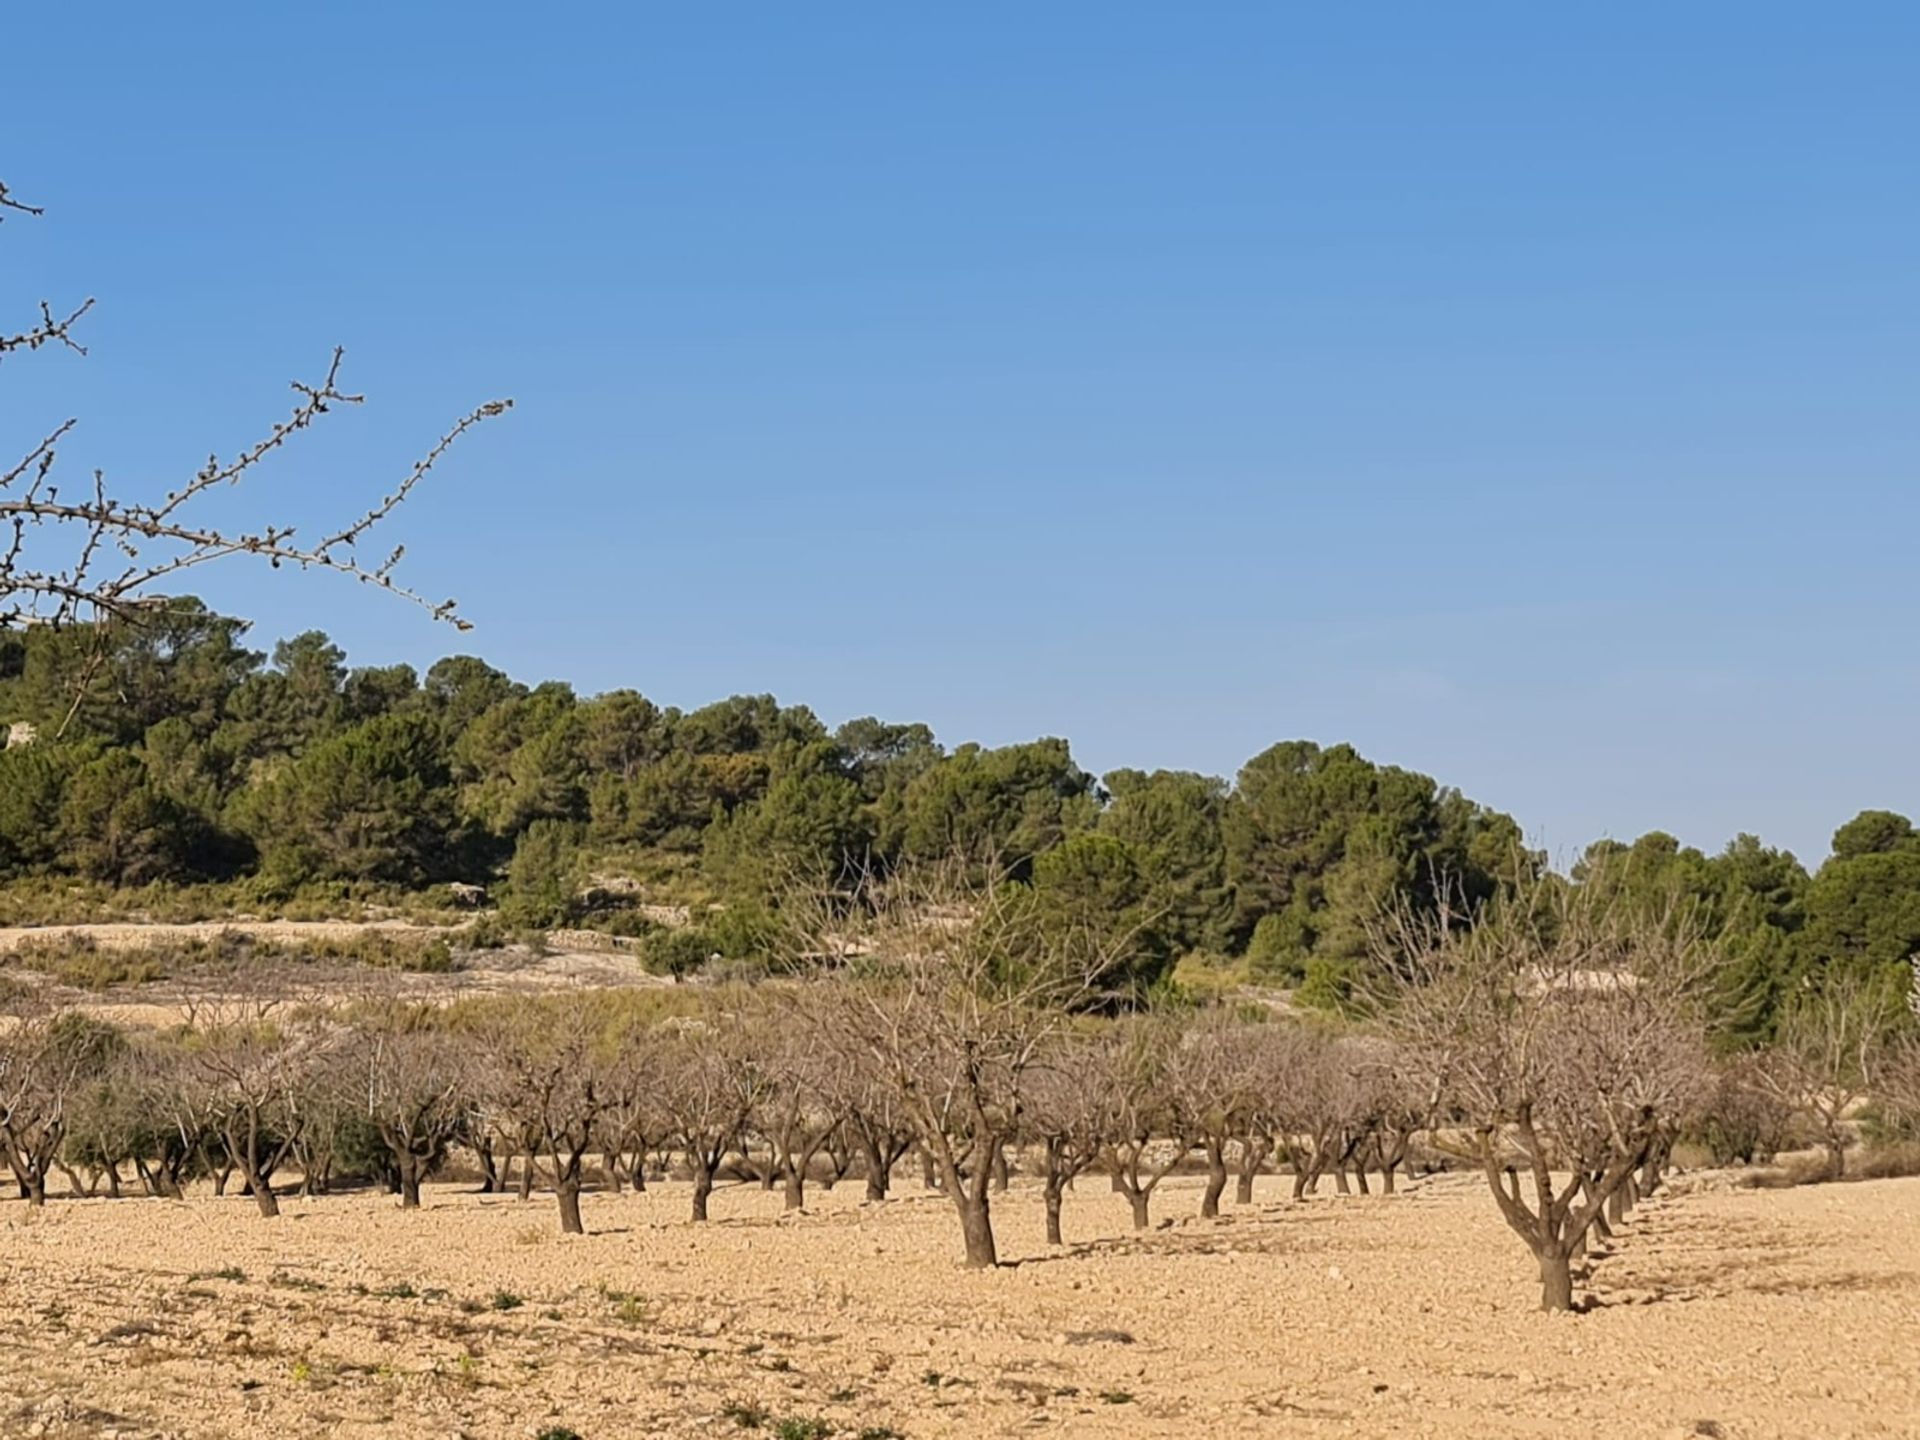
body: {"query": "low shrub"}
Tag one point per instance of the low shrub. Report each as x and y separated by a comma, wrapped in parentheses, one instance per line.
(64, 900)
(82, 963)
(677, 952)
(79, 960)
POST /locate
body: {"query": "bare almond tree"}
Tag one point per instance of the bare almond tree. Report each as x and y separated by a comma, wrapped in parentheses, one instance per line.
(712, 1082)
(798, 1108)
(106, 1122)
(48, 1055)
(1312, 1107)
(257, 1061)
(634, 1121)
(1364, 1108)
(83, 551)
(1395, 1101)
(178, 1106)
(1897, 1074)
(1823, 1061)
(1141, 1129)
(1742, 1121)
(408, 1078)
(1280, 1059)
(875, 1123)
(1215, 1081)
(1897, 1087)
(328, 1114)
(949, 991)
(1563, 1032)
(1061, 1111)
(543, 1071)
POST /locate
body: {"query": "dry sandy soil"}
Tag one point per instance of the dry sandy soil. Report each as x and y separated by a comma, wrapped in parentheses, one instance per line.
(1722, 1313)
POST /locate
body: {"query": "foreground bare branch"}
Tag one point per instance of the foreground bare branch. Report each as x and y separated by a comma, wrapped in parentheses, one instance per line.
(78, 553)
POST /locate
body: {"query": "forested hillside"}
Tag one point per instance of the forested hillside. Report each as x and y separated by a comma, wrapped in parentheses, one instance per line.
(171, 752)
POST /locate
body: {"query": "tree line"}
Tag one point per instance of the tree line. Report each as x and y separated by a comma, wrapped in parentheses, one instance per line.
(167, 750)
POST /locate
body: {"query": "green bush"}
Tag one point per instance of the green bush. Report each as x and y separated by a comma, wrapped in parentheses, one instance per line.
(64, 900)
(677, 952)
(1277, 951)
(1327, 985)
(543, 879)
(80, 961)
(628, 924)
(489, 932)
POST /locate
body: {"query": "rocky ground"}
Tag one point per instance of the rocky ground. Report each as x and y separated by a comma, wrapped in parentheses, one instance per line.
(1722, 1312)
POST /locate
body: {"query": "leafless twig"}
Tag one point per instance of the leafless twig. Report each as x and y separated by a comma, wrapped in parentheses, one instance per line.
(67, 557)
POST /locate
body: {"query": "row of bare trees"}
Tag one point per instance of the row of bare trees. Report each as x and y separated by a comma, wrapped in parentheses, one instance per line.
(1568, 1040)
(551, 1094)
(1559, 1047)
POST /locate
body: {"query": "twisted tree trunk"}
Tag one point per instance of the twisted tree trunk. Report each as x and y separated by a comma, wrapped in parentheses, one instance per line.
(1216, 1177)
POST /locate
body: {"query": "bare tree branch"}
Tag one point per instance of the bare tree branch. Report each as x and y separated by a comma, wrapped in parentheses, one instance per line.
(66, 558)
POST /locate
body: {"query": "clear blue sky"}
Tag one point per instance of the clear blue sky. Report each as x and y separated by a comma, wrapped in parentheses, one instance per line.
(1530, 397)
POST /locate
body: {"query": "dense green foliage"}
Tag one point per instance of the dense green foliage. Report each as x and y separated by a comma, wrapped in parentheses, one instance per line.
(172, 753)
